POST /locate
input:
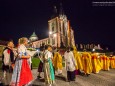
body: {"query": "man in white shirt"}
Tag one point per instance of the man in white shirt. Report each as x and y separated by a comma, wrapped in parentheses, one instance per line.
(8, 62)
(70, 64)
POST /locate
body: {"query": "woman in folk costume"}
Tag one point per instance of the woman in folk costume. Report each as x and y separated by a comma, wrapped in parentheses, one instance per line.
(57, 62)
(48, 67)
(70, 65)
(22, 72)
(86, 61)
(77, 57)
(112, 61)
(96, 65)
(105, 62)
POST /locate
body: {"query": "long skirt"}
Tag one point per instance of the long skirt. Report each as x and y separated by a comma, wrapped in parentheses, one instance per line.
(22, 73)
(48, 72)
(71, 75)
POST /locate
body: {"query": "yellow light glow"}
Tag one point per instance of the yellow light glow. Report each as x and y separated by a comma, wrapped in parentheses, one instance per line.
(54, 35)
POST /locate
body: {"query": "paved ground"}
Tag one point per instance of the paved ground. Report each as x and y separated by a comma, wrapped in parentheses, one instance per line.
(104, 78)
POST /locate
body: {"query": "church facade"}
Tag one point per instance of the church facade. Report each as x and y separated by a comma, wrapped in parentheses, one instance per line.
(61, 33)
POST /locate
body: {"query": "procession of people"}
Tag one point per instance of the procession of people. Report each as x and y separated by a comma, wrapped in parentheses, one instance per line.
(16, 65)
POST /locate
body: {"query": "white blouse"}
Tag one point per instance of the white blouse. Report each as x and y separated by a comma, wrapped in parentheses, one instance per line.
(69, 61)
(6, 57)
(22, 50)
(48, 54)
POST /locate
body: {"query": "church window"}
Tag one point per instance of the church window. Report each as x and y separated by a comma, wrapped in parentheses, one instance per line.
(53, 26)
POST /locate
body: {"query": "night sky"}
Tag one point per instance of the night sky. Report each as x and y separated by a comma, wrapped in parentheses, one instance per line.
(92, 24)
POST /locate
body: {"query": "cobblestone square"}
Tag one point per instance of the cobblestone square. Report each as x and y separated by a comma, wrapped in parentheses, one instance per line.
(103, 78)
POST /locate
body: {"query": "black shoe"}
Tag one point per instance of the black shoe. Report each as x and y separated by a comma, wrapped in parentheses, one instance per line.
(87, 75)
(67, 80)
(1, 84)
(39, 77)
(73, 80)
(82, 74)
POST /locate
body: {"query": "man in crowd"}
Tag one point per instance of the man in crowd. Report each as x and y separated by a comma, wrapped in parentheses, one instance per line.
(57, 62)
(70, 64)
(86, 61)
(8, 62)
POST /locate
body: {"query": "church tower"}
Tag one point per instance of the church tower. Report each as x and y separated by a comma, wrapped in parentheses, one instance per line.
(60, 32)
(53, 25)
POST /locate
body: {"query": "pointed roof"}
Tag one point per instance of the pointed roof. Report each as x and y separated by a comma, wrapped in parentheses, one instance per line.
(61, 12)
(54, 12)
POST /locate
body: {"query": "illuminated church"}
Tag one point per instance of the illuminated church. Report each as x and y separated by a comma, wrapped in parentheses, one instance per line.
(61, 33)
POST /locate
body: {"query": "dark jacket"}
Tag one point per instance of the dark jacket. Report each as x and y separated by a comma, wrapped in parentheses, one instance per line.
(7, 67)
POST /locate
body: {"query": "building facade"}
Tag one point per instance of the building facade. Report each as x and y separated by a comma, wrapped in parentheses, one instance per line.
(37, 44)
(61, 33)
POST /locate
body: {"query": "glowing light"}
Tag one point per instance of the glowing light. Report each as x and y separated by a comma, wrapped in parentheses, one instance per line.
(97, 53)
(93, 50)
(54, 35)
(50, 32)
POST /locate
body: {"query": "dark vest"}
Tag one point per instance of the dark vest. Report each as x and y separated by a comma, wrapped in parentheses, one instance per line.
(5, 67)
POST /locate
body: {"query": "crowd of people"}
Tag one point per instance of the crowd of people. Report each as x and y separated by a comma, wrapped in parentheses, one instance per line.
(76, 63)
(16, 65)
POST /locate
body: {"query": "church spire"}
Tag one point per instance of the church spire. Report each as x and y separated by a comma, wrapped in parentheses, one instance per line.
(61, 12)
(54, 12)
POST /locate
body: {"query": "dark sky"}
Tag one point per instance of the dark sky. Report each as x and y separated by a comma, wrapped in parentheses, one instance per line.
(92, 24)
